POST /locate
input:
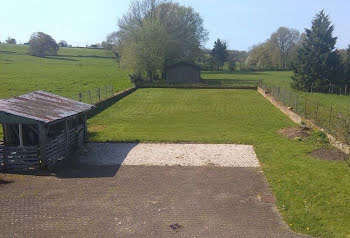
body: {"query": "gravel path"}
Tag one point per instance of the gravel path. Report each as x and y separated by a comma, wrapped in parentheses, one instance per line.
(224, 155)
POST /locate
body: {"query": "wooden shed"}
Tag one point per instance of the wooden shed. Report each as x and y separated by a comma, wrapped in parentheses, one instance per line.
(40, 129)
(183, 72)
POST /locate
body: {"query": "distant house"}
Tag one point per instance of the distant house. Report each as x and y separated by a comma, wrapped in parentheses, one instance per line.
(183, 73)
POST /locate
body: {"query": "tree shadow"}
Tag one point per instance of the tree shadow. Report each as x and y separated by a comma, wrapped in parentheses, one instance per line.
(4, 182)
(7, 52)
(59, 58)
(102, 160)
(236, 73)
(87, 56)
(251, 82)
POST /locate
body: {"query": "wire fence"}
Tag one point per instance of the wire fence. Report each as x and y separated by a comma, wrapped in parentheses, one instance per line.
(95, 95)
(330, 118)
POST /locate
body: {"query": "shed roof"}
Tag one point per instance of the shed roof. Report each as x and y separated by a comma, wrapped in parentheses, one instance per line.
(43, 106)
(185, 64)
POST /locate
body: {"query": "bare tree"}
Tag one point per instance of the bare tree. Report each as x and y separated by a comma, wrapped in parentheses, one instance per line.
(284, 39)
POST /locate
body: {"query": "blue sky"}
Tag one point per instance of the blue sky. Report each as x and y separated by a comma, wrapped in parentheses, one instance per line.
(241, 23)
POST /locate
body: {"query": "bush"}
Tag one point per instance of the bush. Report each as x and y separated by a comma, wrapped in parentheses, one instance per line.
(136, 79)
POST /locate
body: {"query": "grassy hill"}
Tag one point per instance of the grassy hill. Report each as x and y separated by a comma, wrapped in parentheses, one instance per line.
(71, 71)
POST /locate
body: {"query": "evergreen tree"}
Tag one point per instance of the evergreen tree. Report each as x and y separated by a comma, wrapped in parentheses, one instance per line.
(219, 53)
(347, 66)
(317, 62)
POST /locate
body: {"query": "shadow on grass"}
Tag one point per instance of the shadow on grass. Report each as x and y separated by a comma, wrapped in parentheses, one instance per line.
(7, 52)
(87, 56)
(250, 82)
(236, 73)
(59, 58)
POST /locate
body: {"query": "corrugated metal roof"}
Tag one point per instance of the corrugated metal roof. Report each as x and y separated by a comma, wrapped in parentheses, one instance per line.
(43, 106)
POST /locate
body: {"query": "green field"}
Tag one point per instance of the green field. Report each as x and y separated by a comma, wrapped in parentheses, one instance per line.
(72, 71)
(283, 79)
(314, 106)
(312, 195)
(68, 73)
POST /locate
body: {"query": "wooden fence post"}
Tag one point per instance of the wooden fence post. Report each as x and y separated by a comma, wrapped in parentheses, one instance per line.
(305, 106)
(99, 94)
(346, 89)
(330, 118)
(79, 96)
(90, 97)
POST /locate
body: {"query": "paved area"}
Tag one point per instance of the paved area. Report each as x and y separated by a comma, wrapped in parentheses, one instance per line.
(139, 201)
(226, 155)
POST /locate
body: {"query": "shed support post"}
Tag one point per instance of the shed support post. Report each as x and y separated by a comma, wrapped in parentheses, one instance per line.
(42, 144)
(5, 133)
(85, 128)
(66, 129)
(20, 133)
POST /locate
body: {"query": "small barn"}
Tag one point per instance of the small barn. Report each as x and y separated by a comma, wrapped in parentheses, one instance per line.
(40, 129)
(183, 72)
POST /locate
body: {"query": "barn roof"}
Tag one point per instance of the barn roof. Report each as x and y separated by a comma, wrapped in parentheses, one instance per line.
(184, 63)
(42, 106)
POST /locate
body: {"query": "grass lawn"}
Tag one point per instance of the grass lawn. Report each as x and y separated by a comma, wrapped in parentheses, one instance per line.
(312, 195)
(283, 79)
(339, 103)
(72, 71)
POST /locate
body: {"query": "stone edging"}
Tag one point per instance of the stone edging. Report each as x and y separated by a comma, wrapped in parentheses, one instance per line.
(102, 105)
(298, 119)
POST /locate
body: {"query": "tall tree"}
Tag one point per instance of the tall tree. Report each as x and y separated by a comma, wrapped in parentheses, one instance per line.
(41, 45)
(316, 62)
(347, 66)
(219, 53)
(284, 39)
(154, 34)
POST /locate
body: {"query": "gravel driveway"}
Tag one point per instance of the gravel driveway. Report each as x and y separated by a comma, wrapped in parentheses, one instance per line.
(224, 155)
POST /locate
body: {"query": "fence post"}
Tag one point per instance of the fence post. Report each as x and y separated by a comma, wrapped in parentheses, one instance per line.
(79, 96)
(316, 112)
(312, 86)
(330, 118)
(90, 97)
(305, 106)
(346, 89)
(99, 94)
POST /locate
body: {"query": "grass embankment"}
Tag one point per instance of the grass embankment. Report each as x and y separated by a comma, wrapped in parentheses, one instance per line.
(312, 195)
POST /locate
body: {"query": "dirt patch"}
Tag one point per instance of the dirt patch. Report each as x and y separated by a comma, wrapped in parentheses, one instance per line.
(295, 132)
(328, 153)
